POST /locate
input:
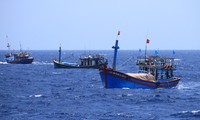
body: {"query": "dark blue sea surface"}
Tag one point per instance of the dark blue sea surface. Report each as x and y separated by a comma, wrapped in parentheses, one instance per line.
(37, 91)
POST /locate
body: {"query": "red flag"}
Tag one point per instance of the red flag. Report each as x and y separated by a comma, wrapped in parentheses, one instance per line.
(148, 41)
(118, 33)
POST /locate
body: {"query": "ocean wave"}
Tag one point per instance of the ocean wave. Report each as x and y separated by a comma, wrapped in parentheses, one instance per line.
(38, 95)
(177, 59)
(56, 73)
(193, 113)
(125, 114)
(3, 62)
(42, 63)
(189, 85)
(125, 95)
(182, 86)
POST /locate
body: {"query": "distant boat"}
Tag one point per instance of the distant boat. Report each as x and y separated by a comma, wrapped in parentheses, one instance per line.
(21, 57)
(154, 72)
(86, 61)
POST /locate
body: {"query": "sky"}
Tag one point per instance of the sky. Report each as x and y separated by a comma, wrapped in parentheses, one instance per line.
(93, 24)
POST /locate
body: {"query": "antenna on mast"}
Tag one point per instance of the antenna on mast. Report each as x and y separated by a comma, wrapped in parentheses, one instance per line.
(60, 53)
(20, 45)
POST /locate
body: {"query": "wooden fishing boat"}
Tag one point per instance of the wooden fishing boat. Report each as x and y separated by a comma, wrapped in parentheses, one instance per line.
(154, 72)
(21, 57)
(87, 61)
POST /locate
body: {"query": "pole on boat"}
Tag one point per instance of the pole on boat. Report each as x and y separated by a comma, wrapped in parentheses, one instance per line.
(147, 42)
(8, 45)
(145, 54)
(116, 47)
(60, 54)
(20, 46)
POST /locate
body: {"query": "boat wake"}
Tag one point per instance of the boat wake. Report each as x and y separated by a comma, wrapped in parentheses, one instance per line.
(3, 62)
(187, 86)
(42, 63)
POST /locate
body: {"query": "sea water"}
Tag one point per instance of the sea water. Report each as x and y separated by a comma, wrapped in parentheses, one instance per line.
(37, 91)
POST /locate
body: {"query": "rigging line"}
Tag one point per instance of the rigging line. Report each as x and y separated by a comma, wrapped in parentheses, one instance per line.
(125, 62)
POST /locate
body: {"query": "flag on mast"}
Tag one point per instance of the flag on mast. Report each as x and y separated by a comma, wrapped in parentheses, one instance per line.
(148, 41)
(118, 33)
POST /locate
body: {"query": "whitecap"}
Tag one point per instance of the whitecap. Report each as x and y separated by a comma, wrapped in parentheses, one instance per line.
(195, 111)
(38, 95)
(182, 86)
(42, 63)
(177, 59)
(189, 85)
(125, 88)
(129, 94)
(125, 114)
(192, 113)
(3, 62)
(56, 73)
(125, 95)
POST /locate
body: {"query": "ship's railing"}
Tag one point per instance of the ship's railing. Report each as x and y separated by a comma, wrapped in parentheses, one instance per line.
(155, 62)
(95, 56)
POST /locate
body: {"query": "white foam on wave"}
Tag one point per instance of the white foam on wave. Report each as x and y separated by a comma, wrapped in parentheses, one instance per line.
(189, 85)
(177, 59)
(182, 86)
(194, 112)
(42, 63)
(125, 114)
(125, 88)
(3, 62)
(38, 95)
(56, 73)
(125, 95)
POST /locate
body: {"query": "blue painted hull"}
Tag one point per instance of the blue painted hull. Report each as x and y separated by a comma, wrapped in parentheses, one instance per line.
(114, 79)
(20, 61)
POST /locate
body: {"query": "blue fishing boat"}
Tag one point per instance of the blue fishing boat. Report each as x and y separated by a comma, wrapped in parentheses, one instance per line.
(21, 57)
(154, 72)
(86, 61)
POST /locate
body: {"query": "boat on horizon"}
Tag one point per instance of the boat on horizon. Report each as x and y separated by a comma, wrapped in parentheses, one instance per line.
(21, 57)
(154, 72)
(86, 61)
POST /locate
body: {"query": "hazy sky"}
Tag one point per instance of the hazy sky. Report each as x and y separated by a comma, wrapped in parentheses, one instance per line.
(93, 24)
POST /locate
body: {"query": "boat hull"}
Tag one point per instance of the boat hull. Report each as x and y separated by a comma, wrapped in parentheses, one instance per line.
(67, 66)
(21, 61)
(114, 79)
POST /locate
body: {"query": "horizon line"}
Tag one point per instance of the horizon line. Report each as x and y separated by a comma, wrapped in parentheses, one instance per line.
(96, 49)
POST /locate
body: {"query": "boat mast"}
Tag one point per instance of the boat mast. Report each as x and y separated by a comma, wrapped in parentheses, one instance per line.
(20, 47)
(8, 45)
(147, 42)
(60, 54)
(116, 47)
(145, 54)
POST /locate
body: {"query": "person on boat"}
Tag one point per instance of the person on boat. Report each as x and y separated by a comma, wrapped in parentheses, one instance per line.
(171, 70)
